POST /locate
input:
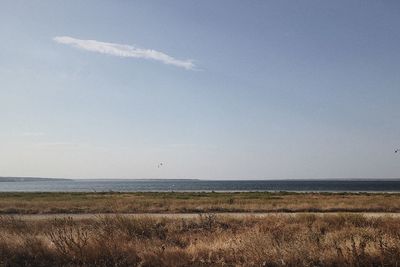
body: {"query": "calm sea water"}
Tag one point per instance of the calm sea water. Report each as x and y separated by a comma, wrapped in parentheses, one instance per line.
(202, 185)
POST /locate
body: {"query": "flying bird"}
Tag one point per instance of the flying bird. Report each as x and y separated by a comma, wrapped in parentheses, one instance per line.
(397, 150)
(160, 165)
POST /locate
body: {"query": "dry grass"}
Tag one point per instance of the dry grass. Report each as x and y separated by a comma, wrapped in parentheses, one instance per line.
(174, 202)
(302, 240)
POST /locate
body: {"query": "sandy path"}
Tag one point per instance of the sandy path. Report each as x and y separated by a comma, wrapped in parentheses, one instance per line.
(190, 215)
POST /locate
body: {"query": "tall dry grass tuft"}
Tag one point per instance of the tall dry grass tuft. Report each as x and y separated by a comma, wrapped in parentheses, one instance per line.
(209, 240)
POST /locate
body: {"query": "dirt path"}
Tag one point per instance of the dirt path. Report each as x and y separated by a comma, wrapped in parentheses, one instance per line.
(189, 215)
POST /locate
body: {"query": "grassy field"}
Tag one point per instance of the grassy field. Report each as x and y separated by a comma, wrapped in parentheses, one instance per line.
(206, 239)
(173, 202)
(209, 240)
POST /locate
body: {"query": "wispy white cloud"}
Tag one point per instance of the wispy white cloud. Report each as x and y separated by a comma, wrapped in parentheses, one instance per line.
(122, 50)
(33, 134)
(58, 145)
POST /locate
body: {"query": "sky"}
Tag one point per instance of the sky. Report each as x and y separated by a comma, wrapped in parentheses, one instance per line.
(212, 89)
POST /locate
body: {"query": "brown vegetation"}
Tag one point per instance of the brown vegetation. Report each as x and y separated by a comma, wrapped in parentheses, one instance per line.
(180, 202)
(301, 240)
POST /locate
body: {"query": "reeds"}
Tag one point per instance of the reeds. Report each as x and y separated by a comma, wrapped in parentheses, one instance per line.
(209, 240)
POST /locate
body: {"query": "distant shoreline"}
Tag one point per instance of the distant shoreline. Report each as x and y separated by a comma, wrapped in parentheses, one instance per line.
(31, 179)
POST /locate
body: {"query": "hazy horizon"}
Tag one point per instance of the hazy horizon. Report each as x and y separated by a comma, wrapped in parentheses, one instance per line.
(212, 179)
(242, 90)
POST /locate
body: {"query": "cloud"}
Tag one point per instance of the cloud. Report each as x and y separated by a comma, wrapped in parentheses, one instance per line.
(33, 134)
(59, 145)
(121, 50)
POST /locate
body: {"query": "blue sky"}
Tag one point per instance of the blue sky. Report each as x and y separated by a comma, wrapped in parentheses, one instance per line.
(214, 89)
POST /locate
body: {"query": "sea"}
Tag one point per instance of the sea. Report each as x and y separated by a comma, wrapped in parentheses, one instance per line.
(189, 185)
